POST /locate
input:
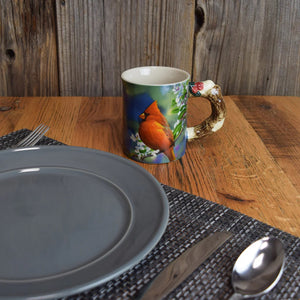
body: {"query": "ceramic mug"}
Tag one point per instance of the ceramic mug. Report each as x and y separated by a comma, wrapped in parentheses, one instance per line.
(155, 111)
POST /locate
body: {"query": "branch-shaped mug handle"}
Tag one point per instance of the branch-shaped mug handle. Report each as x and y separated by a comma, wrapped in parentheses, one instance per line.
(209, 90)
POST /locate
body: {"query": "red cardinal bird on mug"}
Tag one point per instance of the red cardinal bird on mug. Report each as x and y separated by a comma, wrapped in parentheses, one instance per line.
(155, 131)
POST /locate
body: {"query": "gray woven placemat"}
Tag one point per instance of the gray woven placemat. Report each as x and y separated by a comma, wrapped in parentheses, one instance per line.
(191, 219)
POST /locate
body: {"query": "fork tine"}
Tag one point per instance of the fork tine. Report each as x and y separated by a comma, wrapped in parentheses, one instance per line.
(35, 133)
(29, 136)
(37, 136)
(32, 138)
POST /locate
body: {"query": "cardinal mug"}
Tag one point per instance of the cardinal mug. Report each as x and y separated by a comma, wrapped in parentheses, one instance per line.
(155, 112)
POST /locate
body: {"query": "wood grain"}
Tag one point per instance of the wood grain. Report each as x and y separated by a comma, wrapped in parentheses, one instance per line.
(28, 50)
(276, 121)
(244, 174)
(80, 28)
(81, 47)
(97, 40)
(250, 47)
(251, 165)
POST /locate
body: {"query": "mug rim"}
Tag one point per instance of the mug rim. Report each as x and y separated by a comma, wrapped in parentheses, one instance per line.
(124, 73)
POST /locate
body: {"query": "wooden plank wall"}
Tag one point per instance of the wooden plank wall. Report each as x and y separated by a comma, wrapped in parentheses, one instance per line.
(28, 48)
(80, 47)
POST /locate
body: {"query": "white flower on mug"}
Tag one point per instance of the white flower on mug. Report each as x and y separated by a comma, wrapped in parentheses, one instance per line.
(140, 145)
(177, 88)
(179, 108)
(134, 137)
(176, 123)
(140, 149)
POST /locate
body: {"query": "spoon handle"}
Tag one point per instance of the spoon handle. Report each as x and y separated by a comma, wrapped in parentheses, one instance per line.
(236, 296)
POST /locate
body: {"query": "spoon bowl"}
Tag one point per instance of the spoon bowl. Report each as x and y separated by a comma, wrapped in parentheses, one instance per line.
(258, 268)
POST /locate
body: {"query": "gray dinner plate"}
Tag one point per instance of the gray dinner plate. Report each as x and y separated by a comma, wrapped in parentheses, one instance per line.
(72, 218)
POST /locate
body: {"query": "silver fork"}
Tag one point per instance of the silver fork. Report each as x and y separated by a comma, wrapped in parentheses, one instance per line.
(32, 138)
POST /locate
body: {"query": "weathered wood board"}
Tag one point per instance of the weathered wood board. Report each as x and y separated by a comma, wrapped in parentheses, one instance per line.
(28, 48)
(81, 47)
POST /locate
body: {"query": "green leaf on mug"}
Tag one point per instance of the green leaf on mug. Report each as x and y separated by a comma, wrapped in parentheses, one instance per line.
(177, 131)
(175, 110)
(182, 114)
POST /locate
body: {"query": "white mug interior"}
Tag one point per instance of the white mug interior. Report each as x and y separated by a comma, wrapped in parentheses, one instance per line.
(155, 75)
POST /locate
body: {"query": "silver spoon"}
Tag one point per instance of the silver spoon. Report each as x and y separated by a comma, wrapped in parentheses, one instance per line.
(258, 268)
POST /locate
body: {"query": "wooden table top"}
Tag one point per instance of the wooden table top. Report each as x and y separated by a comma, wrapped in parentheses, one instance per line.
(251, 165)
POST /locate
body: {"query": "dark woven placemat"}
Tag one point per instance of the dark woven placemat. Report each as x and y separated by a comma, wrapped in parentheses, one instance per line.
(191, 219)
